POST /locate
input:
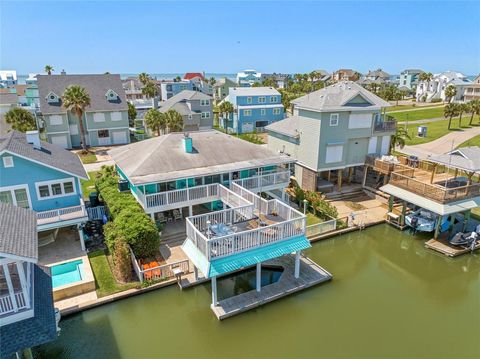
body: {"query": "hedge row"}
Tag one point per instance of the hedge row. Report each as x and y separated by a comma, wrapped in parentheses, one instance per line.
(129, 221)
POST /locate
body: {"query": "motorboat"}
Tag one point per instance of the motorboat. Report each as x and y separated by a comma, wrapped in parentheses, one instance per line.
(425, 221)
(463, 239)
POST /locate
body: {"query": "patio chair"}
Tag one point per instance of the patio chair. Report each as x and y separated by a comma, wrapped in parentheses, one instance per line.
(177, 214)
(162, 218)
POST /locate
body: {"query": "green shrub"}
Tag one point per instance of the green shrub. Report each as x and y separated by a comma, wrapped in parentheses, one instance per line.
(434, 100)
(129, 221)
(316, 203)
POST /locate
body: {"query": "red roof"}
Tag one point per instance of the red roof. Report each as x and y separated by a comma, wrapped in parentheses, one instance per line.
(191, 75)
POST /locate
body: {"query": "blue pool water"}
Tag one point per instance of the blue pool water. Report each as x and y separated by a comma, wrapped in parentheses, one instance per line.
(67, 273)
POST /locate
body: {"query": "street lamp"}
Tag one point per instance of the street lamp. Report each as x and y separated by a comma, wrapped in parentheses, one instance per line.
(305, 206)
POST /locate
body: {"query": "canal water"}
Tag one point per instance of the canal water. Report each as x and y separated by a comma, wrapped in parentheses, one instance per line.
(390, 298)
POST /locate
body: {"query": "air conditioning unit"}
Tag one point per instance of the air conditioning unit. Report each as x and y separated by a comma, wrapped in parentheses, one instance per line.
(123, 186)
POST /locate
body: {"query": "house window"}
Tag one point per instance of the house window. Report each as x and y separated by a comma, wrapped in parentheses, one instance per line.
(334, 119)
(7, 161)
(334, 154)
(16, 196)
(276, 111)
(56, 120)
(103, 134)
(262, 112)
(56, 188)
(99, 117)
(205, 114)
(249, 100)
(204, 102)
(190, 117)
(116, 116)
(247, 112)
(273, 98)
(183, 87)
(261, 99)
(73, 129)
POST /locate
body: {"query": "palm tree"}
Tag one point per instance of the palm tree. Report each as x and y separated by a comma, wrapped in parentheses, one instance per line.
(450, 111)
(144, 78)
(426, 76)
(132, 114)
(399, 138)
(21, 120)
(155, 121)
(450, 92)
(226, 108)
(212, 80)
(174, 121)
(461, 108)
(474, 109)
(150, 89)
(177, 79)
(76, 99)
(48, 69)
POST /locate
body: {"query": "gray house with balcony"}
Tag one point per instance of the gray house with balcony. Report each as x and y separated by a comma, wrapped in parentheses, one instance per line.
(195, 108)
(331, 132)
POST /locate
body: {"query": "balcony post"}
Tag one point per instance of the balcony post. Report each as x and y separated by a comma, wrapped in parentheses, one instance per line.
(297, 264)
(190, 211)
(23, 283)
(80, 236)
(259, 277)
(11, 292)
(214, 291)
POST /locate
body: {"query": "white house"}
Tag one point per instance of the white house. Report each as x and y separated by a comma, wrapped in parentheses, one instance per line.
(435, 89)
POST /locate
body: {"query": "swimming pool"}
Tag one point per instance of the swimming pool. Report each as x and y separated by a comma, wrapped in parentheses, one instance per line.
(67, 273)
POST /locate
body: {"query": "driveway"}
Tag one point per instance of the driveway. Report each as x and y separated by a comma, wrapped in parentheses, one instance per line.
(441, 145)
(89, 167)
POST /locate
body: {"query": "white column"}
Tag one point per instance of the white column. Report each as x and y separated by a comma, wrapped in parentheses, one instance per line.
(152, 216)
(259, 277)
(11, 291)
(190, 211)
(82, 240)
(214, 291)
(23, 283)
(195, 273)
(297, 264)
(283, 196)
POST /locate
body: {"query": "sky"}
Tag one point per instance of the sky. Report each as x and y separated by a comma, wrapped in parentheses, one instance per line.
(229, 36)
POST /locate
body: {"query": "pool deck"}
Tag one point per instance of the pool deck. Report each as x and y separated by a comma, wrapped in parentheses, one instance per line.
(310, 274)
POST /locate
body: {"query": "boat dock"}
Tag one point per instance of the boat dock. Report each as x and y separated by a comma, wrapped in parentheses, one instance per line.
(442, 246)
(311, 274)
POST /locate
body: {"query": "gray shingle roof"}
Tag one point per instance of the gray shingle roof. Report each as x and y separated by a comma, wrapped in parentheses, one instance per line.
(466, 158)
(8, 98)
(164, 158)
(96, 86)
(185, 95)
(18, 232)
(51, 155)
(253, 91)
(335, 97)
(286, 127)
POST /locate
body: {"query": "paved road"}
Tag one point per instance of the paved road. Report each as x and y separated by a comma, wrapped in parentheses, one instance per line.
(97, 165)
(442, 144)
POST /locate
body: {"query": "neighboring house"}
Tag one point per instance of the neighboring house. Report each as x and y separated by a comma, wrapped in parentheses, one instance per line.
(472, 91)
(221, 88)
(194, 75)
(345, 75)
(195, 108)
(8, 101)
(435, 89)
(175, 176)
(27, 315)
(133, 89)
(378, 76)
(280, 80)
(8, 78)
(331, 132)
(42, 177)
(255, 108)
(105, 120)
(199, 81)
(409, 78)
(169, 89)
(247, 78)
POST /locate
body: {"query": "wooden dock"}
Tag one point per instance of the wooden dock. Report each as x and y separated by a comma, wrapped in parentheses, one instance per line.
(310, 274)
(442, 246)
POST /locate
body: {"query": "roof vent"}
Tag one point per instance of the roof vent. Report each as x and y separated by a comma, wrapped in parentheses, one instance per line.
(187, 143)
(34, 139)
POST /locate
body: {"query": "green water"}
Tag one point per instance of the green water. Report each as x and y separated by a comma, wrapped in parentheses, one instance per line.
(390, 298)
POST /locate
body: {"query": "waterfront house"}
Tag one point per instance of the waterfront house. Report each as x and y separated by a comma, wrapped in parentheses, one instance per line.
(472, 91)
(255, 108)
(240, 228)
(410, 78)
(221, 89)
(195, 108)
(247, 78)
(27, 315)
(435, 88)
(133, 89)
(169, 89)
(345, 75)
(331, 132)
(42, 177)
(280, 81)
(8, 78)
(105, 120)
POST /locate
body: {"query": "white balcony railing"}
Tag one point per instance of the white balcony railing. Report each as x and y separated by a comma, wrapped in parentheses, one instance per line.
(62, 214)
(265, 181)
(7, 306)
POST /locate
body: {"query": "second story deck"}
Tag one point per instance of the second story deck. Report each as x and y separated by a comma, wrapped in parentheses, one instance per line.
(62, 216)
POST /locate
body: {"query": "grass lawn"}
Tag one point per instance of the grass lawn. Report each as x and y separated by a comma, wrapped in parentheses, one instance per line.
(411, 107)
(88, 185)
(313, 219)
(421, 114)
(434, 130)
(88, 157)
(104, 280)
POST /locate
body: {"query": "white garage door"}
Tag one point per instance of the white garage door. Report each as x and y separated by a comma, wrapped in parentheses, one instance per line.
(60, 141)
(119, 137)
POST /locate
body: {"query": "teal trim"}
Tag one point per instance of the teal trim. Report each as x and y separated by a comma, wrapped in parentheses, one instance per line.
(244, 259)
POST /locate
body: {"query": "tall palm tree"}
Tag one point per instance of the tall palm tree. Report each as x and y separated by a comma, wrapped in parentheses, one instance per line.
(48, 69)
(144, 78)
(156, 121)
(174, 121)
(150, 89)
(474, 109)
(399, 138)
(76, 99)
(461, 108)
(226, 108)
(450, 111)
(212, 80)
(450, 92)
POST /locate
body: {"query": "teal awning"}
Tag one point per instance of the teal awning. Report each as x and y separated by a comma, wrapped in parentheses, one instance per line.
(244, 259)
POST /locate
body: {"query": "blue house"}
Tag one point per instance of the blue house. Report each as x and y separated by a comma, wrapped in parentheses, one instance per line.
(169, 89)
(44, 178)
(255, 108)
(247, 78)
